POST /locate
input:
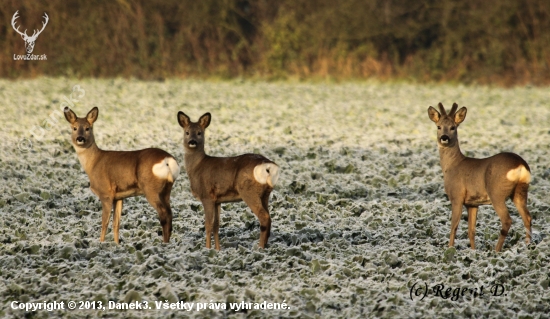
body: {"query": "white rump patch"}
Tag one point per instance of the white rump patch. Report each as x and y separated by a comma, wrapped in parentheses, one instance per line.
(266, 173)
(519, 174)
(167, 169)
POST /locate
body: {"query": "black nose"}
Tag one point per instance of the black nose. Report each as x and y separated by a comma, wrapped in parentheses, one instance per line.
(444, 138)
(192, 143)
(80, 139)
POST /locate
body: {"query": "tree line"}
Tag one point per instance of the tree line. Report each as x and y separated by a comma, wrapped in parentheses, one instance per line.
(504, 42)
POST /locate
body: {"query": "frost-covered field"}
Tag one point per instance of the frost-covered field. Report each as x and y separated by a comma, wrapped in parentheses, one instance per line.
(359, 214)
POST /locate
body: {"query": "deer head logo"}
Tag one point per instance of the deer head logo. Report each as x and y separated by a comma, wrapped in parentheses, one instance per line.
(29, 41)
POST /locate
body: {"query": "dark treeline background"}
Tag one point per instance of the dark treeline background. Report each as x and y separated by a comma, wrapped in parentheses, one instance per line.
(491, 41)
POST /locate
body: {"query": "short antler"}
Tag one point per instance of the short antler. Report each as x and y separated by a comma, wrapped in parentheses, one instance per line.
(442, 109)
(453, 110)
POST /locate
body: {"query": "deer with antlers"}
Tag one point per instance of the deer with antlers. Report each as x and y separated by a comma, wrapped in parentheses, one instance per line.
(29, 41)
(115, 175)
(217, 180)
(472, 182)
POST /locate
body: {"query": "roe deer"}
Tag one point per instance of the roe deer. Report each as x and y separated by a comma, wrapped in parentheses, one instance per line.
(216, 180)
(115, 175)
(473, 182)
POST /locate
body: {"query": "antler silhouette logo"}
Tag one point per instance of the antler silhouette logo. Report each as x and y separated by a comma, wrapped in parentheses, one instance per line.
(29, 41)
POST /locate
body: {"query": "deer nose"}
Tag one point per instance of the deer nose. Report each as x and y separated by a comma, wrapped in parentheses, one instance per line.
(80, 139)
(192, 143)
(444, 139)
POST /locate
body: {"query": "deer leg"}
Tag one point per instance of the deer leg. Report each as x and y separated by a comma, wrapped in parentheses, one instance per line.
(455, 219)
(216, 226)
(165, 218)
(504, 215)
(520, 200)
(107, 207)
(209, 213)
(166, 223)
(165, 213)
(265, 200)
(116, 219)
(265, 204)
(255, 203)
(472, 216)
(167, 227)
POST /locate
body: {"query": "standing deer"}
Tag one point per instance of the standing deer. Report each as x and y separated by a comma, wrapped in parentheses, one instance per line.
(473, 182)
(217, 180)
(29, 41)
(115, 175)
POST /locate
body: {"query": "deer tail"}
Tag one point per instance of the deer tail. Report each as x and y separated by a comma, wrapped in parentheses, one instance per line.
(167, 169)
(266, 173)
(519, 174)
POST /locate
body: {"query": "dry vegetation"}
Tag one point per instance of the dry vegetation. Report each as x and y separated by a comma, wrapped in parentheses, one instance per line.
(494, 41)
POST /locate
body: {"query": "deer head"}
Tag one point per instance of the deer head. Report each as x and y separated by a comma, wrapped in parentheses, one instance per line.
(29, 41)
(447, 124)
(82, 128)
(193, 138)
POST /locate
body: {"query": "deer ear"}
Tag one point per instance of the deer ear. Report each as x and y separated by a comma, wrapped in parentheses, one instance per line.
(91, 117)
(204, 121)
(460, 115)
(69, 115)
(183, 119)
(433, 114)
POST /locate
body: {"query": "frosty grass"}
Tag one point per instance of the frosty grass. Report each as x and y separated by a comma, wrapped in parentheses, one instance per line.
(359, 213)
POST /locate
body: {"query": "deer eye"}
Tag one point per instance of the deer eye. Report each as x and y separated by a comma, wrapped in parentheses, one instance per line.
(87, 129)
(200, 133)
(453, 128)
(439, 127)
(187, 133)
(74, 128)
